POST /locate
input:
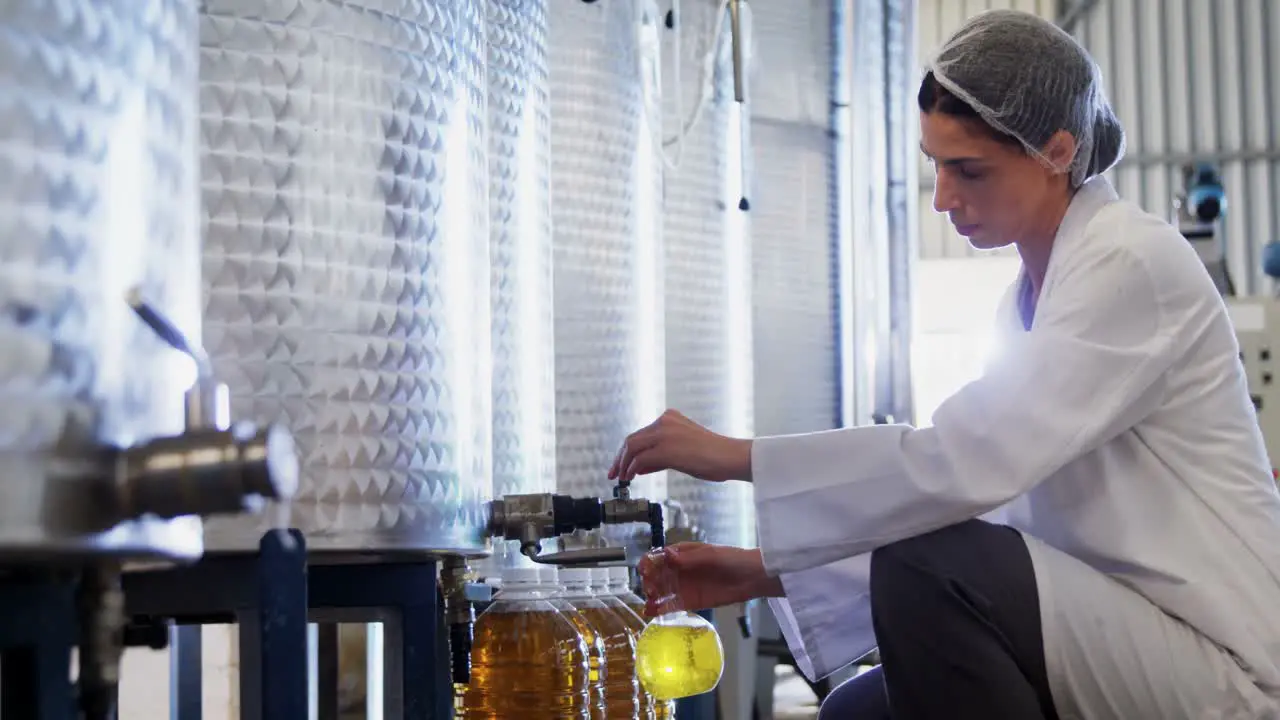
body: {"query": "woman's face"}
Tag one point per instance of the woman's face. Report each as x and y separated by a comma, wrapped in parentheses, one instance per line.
(994, 192)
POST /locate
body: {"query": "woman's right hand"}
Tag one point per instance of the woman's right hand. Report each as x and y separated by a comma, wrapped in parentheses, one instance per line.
(707, 576)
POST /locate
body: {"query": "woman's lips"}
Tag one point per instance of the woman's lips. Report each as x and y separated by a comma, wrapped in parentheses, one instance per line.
(967, 230)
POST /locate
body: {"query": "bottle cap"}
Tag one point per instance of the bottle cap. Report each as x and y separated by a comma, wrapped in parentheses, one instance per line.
(575, 576)
(600, 578)
(619, 577)
(521, 575)
(549, 575)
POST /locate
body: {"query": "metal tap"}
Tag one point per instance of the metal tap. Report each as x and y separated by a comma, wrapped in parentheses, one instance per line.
(530, 519)
(214, 466)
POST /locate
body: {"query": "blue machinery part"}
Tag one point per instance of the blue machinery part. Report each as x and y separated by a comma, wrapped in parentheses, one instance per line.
(1206, 199)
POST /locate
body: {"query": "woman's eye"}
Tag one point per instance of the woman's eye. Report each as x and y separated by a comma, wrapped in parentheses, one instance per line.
(968, 174)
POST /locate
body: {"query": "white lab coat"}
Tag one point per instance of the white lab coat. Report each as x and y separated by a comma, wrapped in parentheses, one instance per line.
(1118, 435)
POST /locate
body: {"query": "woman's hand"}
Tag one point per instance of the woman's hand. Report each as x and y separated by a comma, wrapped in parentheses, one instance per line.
(706, 576)
(674, 442)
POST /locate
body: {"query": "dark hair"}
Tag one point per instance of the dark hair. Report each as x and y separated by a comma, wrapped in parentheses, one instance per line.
(934, 97)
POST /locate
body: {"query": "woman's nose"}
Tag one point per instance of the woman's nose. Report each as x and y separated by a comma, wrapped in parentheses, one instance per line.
(944, 196)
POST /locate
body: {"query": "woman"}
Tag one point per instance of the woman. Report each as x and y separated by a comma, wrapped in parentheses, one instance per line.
(1137, 572)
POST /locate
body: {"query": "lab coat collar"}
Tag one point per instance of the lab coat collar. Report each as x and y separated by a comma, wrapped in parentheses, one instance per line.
(1088, 201)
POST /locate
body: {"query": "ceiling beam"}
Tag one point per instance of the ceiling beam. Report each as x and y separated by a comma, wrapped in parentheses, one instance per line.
(1072, 12)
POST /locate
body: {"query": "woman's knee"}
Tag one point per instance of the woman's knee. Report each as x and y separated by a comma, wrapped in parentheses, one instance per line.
(905, 567)
(859, 698)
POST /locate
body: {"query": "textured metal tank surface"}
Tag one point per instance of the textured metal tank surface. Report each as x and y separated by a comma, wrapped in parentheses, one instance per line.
(347, 260)
(605, 188)
(520, 228)
(98, 195)
(708, 275)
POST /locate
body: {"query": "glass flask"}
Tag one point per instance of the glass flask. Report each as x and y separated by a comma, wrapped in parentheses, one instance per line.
(679, 653)
(528, 661)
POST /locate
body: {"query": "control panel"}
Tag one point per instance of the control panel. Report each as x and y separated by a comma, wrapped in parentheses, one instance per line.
(1257, 325)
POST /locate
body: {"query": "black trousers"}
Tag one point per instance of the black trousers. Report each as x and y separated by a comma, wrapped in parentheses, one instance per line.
(957, 621)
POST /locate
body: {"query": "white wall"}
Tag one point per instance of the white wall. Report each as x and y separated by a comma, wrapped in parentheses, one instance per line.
(954, 314)
(1190, 79)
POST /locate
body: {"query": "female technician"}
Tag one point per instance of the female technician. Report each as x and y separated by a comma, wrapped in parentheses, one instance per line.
(1136, 574)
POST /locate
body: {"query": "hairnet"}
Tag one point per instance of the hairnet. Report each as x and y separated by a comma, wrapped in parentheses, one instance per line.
(1027, 78)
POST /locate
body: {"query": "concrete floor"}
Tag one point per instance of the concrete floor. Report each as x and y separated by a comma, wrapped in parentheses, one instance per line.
(792, 698)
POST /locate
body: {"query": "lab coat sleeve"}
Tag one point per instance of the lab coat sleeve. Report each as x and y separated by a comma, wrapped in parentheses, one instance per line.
(1093, 367)
(826, 615)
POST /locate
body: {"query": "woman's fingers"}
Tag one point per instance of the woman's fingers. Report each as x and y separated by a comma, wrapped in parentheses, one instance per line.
(639, 442)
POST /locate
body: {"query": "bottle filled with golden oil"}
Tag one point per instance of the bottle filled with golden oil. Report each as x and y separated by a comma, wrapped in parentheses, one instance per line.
(621, 691)
(527, 659)
(596, 659)
(617, 592)
(602, 585)
(679, 653)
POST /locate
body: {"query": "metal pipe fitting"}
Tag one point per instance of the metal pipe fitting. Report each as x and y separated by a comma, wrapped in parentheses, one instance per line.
(739, 62)
(533, 518)
(459, 614)
(206, 472)
(213, 467)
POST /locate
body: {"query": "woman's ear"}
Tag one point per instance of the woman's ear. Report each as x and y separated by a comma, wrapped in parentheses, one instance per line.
(1060, 151)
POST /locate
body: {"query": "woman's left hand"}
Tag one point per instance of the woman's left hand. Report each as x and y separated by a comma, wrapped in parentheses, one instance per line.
(674, 442)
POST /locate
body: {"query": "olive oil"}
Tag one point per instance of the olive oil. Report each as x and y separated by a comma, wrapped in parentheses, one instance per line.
(596, 661)
(677, 658)
(621, 691)
(528, 661)
(620, 588)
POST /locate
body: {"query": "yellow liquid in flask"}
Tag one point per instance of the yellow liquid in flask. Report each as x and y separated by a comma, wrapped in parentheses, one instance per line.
(678, 658)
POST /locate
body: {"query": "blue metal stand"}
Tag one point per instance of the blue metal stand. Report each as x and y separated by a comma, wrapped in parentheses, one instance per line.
(265, 594)
(403, 597)
(272, 596)
(36, 637)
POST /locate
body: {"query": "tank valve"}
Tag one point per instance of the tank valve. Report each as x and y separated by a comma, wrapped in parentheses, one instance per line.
(214, 466)
(530, 519)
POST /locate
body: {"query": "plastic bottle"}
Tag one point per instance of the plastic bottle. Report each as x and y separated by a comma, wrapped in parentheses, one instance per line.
(632, 608)
(600, 579)
(596, 660)
(527, 659)
(679, 653)
(621, 691)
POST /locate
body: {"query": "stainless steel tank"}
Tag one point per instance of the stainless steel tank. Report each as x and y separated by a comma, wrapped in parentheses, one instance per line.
(708, 270)
(524, 436)
(347, 259)
(524, 452)
(608, 253)
(98, 196)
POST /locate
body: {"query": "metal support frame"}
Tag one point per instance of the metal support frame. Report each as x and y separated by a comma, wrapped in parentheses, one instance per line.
(403, 597)
(36, 639)
(265, 594)
(1072, 12)
(272, 596)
